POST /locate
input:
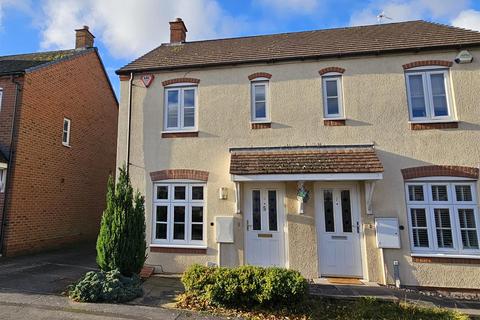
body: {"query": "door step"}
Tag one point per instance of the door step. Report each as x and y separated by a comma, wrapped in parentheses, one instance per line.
(354, 281)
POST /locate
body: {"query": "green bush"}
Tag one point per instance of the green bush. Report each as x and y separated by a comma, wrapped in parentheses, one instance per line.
(245, 286)
(109, 286)
(121, 242)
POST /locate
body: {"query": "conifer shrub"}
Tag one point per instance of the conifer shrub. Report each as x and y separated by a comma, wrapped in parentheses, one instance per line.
(121, 242)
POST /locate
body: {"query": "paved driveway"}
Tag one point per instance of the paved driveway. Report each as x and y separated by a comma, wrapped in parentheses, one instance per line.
(31, 287)
(47, 273)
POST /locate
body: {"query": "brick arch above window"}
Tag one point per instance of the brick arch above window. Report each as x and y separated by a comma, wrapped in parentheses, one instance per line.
(188, 174)
(331, 69)
(180, 80)
(440, 170)
(259, 75)
(425, 63)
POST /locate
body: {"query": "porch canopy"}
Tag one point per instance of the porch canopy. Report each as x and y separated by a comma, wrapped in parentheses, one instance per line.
(305, 163)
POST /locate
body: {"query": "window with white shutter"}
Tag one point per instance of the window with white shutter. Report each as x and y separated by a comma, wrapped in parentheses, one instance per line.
(443, 217)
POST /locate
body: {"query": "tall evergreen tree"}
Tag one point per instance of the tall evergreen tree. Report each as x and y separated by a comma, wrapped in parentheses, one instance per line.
(121, 241)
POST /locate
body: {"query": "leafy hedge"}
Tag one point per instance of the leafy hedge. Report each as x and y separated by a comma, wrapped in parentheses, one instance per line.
(109, 286)
(245, 286)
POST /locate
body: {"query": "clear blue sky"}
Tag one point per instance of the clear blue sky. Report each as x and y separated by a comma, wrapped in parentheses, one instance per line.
(126, 29)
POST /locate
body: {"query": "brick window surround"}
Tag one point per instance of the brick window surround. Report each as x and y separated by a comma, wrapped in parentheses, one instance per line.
(259, 75)
(331, 69)
(424, 63)
(180, 80)
(188, 174)
(433, 125)
(445, 260)
(178, 250)
(440, 170)
(334, 122)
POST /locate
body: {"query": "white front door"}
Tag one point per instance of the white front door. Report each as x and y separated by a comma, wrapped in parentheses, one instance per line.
(264, 220)
(338, 229)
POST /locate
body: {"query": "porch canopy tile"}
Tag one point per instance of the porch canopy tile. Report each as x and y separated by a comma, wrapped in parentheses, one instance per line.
(360, 160)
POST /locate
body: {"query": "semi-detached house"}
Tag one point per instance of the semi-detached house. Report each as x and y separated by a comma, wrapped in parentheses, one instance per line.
(349, 152)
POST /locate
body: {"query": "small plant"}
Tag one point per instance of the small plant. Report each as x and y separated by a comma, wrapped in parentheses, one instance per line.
(245, 286)
(109, 286)
(121, 242)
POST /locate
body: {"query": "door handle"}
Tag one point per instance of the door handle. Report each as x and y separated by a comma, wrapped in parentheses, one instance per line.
(248, 226)
(358, 227)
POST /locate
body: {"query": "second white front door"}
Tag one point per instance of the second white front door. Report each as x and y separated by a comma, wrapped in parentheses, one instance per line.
(264, 219)
(338, 230)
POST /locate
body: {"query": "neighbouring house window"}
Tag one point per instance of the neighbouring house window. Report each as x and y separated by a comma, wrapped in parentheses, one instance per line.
(260, 107)
(429, 95)
(180, 108)
(3, 179)
(66, 132)
(443, 217)
(179, 214)
(1, 98)
(332, 97)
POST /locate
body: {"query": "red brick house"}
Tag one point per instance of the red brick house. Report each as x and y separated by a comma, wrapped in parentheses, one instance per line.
(58, 116)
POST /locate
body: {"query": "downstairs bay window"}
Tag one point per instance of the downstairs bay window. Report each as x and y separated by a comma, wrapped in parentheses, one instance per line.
(443, 217)
(179, 214)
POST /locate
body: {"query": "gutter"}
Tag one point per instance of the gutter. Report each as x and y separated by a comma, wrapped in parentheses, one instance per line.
(129, 121)
(10, 167)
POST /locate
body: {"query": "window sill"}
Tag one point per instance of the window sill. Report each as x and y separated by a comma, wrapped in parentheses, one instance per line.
(428, 125)
(66, 145)
(179, 134)
(445, 258)
(261, 125)
(334, 122)
(178, 249)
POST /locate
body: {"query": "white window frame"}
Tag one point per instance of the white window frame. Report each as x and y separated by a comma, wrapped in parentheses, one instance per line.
(427, 94)
(180, 127)
(453, 205)
(188, 203)
(338, 79)
(3, 179)
(1, 98)
(253, 84)
(67, 132)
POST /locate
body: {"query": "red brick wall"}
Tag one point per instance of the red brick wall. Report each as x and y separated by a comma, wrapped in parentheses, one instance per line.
(57, 193)
(6, 118)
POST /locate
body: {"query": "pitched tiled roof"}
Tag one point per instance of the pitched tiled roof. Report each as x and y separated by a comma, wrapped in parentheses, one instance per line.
(373, 39)
(22, 62)
(303, 160)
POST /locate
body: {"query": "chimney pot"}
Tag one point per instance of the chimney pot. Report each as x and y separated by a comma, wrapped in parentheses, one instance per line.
(178, 31)
(83, 38)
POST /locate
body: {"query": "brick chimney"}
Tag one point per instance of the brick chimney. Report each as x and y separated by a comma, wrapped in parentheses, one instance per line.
(83, 38)
(178, 31)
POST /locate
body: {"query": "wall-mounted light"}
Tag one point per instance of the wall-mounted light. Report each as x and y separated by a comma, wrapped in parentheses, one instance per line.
(223, 193)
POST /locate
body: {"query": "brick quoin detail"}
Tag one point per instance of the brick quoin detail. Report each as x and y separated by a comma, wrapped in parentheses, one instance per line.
(424, 63)
(261, 125)
(180, 80)
(334, 123)
(259, 75)
(178, 250)
(435, 171)
(430, 126)
(331, 69)
(189, 174)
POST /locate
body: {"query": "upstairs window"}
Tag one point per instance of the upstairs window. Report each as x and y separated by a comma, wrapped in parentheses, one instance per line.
(260, 107)
(443, 217)
(332, 97)
(66, 132)
(429, 95)
(180, 108)
(1, 98)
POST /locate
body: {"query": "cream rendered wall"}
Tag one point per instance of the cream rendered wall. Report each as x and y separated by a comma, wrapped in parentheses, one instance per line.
(376, 110)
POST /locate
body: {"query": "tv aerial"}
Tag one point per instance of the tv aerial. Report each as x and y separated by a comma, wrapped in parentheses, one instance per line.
(382, 16)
